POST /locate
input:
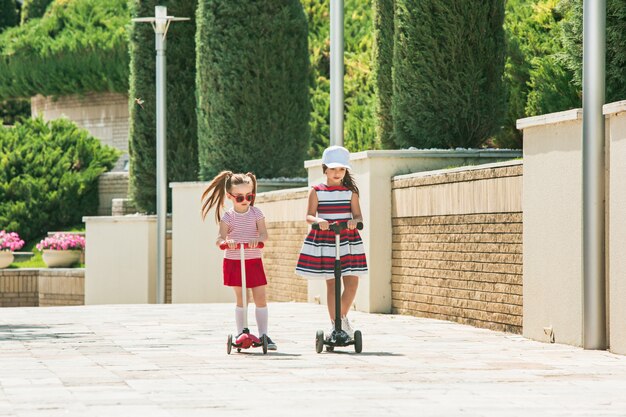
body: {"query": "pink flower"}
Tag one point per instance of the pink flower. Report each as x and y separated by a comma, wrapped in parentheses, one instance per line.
(10, 241)
(62, 241)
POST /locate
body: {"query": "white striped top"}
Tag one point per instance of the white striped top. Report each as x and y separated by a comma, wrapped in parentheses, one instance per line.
(242, 228)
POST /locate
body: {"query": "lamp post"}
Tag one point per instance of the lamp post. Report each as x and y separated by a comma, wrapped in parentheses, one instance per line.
(594, 293)
(336, 72)
(160, 23)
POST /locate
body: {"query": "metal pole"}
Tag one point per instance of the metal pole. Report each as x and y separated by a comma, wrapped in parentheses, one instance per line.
(594, 295)
(336, 72)
(160, 12)
(160, 23)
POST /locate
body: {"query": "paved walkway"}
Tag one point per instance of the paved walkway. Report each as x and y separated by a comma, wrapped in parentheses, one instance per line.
(170, 360)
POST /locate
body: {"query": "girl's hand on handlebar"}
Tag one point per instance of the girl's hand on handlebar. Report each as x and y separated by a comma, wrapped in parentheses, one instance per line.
(230, 243)
(253, 243)
(323, 224)
(352, 224)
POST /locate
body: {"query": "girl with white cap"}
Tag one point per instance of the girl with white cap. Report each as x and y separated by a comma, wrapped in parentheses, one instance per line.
(334, 200)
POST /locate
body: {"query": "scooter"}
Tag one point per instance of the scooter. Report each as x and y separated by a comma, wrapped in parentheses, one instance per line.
(338, 337)
(246, 339)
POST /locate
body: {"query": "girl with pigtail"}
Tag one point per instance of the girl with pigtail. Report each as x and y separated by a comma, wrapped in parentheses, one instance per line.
(242, 223)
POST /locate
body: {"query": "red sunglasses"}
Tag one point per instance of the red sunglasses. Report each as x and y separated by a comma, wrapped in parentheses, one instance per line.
(239, 198)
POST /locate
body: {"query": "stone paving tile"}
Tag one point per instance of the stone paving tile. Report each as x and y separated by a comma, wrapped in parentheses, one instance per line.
(170, 360)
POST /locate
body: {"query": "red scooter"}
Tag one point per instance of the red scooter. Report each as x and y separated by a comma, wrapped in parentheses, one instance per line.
(246, 339)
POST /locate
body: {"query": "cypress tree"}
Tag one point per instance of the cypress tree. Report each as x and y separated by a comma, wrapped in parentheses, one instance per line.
(383, 65)
(8, 14)
(252, 86)
(33, 9)
(182, 148)
(447, 72)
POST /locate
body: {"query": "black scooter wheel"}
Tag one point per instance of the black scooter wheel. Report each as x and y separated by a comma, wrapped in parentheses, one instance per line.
(319, 341)
(264, 341)
(358, 341)
(229, 344)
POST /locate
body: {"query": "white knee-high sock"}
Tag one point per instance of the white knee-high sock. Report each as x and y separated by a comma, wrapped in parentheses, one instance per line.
(239, 319)
(261, 319)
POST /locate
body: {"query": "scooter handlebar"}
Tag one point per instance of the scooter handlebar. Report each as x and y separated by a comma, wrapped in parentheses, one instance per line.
(260, 245)
(337, 226)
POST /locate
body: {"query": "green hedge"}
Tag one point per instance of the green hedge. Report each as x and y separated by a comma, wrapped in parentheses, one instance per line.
(182, 136)
(447, 72)
(252, 87)
(78, 46)
(360, 106)
(48, 175)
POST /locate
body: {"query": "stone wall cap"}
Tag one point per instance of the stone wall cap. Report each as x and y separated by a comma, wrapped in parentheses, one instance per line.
(550, 118)
(459, 169)
(286, 194)
(427, 153)
(615, 107)
(130, 218)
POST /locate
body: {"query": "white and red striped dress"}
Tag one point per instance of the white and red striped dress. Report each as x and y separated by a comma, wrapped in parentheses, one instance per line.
(317, 257)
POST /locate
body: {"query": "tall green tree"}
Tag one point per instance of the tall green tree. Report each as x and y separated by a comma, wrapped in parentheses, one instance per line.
(252, 86)
(447, 72)
(8, 14)
(182, 137)
(359, 83)
(32, 9)
(615, 41)
(383, 69)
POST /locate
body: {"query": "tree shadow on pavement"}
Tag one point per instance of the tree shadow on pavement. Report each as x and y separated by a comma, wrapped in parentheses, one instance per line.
(34, 332)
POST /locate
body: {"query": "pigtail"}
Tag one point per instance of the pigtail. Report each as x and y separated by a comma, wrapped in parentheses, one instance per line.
(348, 182)
(253, 179)
(214, 194)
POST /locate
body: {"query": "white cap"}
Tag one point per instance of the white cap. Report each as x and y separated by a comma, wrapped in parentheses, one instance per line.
(336, 157)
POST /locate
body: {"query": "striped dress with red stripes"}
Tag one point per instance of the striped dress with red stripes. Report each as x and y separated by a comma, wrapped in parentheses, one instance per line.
(317, 257)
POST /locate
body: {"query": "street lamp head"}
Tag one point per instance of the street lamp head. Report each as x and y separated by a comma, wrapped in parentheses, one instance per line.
(161, 21)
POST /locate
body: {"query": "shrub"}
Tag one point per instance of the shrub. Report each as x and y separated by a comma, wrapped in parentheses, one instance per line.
(252, 87)
(182, 133)
(48, 175)
(78, 46)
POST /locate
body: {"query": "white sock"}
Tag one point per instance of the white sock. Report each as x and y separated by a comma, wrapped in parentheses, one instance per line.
(261, 320)
(239, 319)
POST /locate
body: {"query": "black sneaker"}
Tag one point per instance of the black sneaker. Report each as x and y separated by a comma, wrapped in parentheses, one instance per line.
(270, 344)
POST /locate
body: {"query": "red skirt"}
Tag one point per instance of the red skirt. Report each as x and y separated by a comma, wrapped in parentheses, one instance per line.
(255, 275)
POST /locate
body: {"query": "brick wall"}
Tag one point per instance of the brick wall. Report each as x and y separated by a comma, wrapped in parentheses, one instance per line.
(284, 213)
(280, 257)
(457, 248)
(111, 185)
(104, 115)
(32, 287)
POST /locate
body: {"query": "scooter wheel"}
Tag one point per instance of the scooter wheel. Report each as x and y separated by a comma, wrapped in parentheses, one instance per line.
(238, 350)
(358, 341)
(319, 341)
(264, 341)
(229, 344)
(330, 348)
